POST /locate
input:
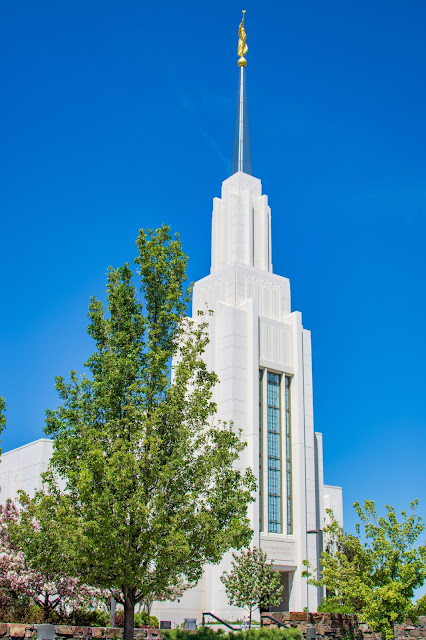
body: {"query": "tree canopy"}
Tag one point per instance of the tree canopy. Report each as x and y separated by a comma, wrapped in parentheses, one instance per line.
(151, 489)
(252, 583)
(23, 582)
(375, 572)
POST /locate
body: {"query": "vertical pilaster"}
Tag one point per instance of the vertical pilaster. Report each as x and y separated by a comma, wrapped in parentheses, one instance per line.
(251, 308)
(299, 462)
(311, 512)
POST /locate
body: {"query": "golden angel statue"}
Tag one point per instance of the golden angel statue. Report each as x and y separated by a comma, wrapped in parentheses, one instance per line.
(242, 46)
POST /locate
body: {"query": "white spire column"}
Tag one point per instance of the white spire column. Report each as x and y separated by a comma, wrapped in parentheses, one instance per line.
(241, 225)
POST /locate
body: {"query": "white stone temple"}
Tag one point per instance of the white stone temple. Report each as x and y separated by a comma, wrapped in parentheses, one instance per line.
(262, 355)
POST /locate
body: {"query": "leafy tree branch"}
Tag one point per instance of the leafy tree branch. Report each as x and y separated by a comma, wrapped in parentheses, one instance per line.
(375, 572)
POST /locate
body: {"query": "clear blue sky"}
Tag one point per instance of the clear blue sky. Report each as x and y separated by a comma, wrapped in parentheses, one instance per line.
(119, 115)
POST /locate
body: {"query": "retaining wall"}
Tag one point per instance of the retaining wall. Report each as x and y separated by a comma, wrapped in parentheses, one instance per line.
(340, 626)
(328, 626)
(21, 631)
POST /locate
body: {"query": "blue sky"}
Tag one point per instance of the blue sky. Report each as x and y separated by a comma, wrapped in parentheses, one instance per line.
(117, 116)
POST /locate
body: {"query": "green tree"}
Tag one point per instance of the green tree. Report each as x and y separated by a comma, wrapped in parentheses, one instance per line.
(420, 607)
(375, 572)
(151, 492)
(171, 593)
(252, 583)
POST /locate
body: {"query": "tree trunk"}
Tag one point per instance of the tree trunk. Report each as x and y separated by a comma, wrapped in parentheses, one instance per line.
(46, 608)
(129, 612)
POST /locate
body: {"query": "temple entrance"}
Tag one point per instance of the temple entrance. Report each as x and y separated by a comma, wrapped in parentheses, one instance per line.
(287, 583)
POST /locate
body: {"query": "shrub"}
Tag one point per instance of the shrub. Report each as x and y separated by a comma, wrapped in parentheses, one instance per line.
(95, 618)
(82, 618)
(142, 619)
(119, 618)
(29, 613)
(328, 605)
(266, 633)
(153, 622)
(204, 633)
(21, 610)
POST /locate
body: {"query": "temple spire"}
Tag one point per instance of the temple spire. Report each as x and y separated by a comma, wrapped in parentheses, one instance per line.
(241, 156)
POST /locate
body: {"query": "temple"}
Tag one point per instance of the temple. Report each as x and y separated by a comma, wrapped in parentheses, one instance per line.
(262, 355)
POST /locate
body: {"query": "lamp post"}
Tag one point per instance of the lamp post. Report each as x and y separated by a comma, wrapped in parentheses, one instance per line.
(112, 604)
(320, 549)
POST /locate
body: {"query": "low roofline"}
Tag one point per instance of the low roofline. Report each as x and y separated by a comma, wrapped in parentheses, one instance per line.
(332, 486)
(29, 444)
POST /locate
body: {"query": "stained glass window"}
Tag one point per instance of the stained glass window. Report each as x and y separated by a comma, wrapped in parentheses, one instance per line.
(288, 456)
(274, 453)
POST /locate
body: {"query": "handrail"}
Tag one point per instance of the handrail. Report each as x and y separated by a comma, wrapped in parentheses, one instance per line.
(207, 613)
(265, 615)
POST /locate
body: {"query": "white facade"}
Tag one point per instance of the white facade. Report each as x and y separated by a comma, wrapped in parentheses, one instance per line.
(21, 468)
(254, 333)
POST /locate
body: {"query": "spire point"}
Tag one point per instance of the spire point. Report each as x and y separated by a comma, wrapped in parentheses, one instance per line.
(241, 155)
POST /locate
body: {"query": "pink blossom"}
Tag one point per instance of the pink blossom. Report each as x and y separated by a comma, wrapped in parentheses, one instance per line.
(17, 578)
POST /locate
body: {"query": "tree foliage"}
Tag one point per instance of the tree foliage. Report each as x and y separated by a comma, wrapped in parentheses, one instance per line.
(151, 489)
(375, 572)
(22, 582)
(420, 607)
(252, 583)
(171, 592)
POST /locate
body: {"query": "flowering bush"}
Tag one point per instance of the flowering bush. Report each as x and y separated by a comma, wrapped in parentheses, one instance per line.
(21, 584)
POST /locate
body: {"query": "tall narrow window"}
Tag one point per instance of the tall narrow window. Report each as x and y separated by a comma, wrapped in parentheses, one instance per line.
(274, 454)
(260, 450)
(288, 456)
